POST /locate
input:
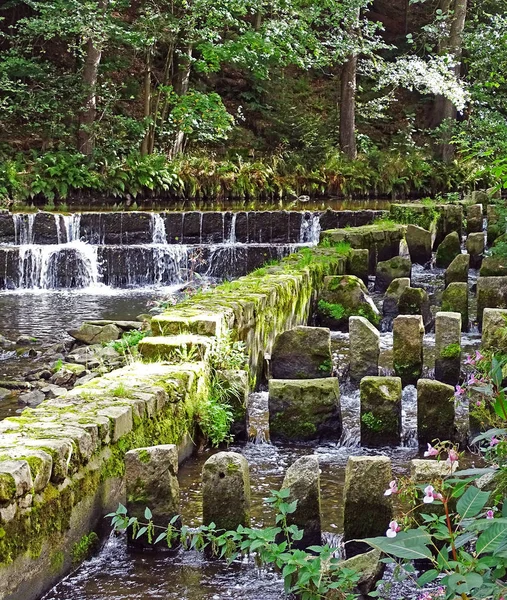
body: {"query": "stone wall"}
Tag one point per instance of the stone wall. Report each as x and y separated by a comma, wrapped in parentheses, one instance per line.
(61, 464)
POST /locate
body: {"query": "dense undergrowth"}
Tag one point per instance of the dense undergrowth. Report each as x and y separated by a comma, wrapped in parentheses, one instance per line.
(54, 178)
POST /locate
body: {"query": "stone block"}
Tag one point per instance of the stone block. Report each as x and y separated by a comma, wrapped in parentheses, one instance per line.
(367, 512)
(364, 347)
(389, 270)
(226, 491)
(491, 293)
(450, 221)
(448, 347)
(475, 247)
(455, 299)
(494, 330)
(304, 409)
(302, 353)
(151, 479)
(408, 332)
(393, 295)
(448, 250)
(435, 412)
(358, 264)
(474, 218)
(15, 479)
(495, 227)
(493, 266)
(120, 419)
(419, 242)
(380, 411)
(175, 348)
(202, 323)
(303, 481)
(415, 301)
(61, 452)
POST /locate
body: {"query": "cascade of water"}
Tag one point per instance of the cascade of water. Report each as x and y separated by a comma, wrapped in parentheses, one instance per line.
(409, 417)
(232, 234)
(309, 232)
(170, 264)
(258, 418)
(72, 224)
(351, 418)
(158, 231)
(23, 228)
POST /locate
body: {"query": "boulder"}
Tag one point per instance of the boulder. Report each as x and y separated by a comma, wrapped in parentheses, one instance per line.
(455, 299)
(358, 264)
(450, 221)
(304, 409)
(364, 348)
(435, 411)
(96, 334)
(393, 295)
(448, 347)
(151, 478)
(226, 491)
(380, 411)
(303, 482)
(475, 248)
(32, 399)
(448, 250)
(458, 270)
(493, 266)
(302, 353)
(491, 293)
(408, 332)
(389, 270)
(494, 330)
(419, 244)
(474, 218)
(370, 569)
(341, 297)
(367, 512)
(415, 301)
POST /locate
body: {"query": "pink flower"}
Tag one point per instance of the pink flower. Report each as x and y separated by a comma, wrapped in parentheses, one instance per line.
(453, 456)
(478, 356)
(431, 451)
(428, 494)
(393, 488)
(490, 514)
(393, 529)
(471, 380)
(478, 403)
(494, 441)
(425, 596)
(469, 360)
(459, 391)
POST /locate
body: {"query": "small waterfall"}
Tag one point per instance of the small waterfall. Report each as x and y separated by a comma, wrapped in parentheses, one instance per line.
(232, 234)
(351, 419)
(309, 232)
(72, 225)
(158, 231)
(170, 264)
(23, 228)
(409, 417)
(258, 418)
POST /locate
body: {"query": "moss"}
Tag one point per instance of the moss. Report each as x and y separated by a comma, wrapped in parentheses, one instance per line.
(7, 486)
(451, 351)
(56, 562)
(83, 549)
(370, 421)
(144, 456)
(407, 370)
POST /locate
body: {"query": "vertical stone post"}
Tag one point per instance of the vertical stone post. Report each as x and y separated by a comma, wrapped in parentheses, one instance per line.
(364, 348)
(303, 481)
(435, 411)
(408, 332)
(494, 330)
(380, 411)
(476, 245)
(448, 347)
(455, 299)
(151, 476)
(474, 218)
(226, 491)
(367, 512)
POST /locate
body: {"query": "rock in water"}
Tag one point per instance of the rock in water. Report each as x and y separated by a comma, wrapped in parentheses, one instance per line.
(96, 334)
(435, 411)
(226, 491)
(380, 411)
(408, 332)
(455, 299)
(364, 348)
(419, 244)
(393, 295)
(389, 270)
(303, 481)
(151, 476)
(474, 218)
(448, 250)
(302, 353)
(475, 248)
(448, 347)
(494, 330)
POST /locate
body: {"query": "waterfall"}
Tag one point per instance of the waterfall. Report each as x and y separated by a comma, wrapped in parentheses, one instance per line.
(258, 418)
(232, 233)
(158, 231)
(309, 232)
(409, 417)
(72, 224)
(351, 419)
(23, 228)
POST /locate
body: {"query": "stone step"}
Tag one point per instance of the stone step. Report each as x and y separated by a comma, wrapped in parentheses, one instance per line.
(176, 348)
(185, 321)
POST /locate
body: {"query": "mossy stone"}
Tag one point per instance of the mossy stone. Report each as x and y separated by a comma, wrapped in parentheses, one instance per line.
(415, 301)
(408, 332)
(448, 347)
(380, 411)
(419, 244)
(475, 248)
(458, 270)
(491, 293)
(302, 353)
(494, 330)
(304, 409)
(494, 266)
(455, 299)
(358, 264)
(364, 348)
(448, 250)
(474, 214)
(389, 270)
(393, 295)
(435, 412)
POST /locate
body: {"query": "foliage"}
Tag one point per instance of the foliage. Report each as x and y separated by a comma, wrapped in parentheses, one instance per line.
(128, 340)
(309, 575)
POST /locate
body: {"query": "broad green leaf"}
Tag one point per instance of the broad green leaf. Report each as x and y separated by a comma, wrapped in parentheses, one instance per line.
(428, 577)
(490, 539)
(409, 545)
(472, 502)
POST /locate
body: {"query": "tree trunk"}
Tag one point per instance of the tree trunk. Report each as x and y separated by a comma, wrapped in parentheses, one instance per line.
(90, 75)
(445, 111)
(181, 82)
(147, 101)
(348, 104)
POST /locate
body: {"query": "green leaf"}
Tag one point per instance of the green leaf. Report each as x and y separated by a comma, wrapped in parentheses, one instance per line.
(147, 514)
(490, 539)
(428, 577)
(410, 545)
(472, 502)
